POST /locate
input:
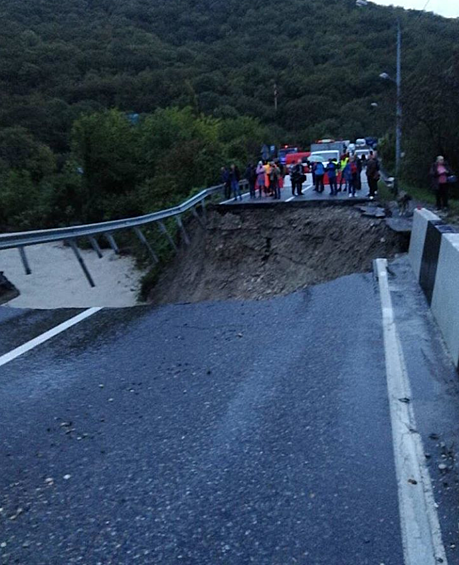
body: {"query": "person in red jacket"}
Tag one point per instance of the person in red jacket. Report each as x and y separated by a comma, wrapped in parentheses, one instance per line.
(441, 175)
(372, 175)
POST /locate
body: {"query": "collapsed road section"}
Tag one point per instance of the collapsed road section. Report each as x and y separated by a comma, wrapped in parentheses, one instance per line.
(260, 253)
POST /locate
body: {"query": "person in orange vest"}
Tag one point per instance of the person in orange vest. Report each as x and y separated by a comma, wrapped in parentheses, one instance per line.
(267, 179)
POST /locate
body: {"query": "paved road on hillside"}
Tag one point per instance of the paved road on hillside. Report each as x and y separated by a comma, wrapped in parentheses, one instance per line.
(308, 193)
(215, 433)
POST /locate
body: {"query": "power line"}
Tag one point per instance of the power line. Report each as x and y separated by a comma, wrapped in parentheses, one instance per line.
(426, 4)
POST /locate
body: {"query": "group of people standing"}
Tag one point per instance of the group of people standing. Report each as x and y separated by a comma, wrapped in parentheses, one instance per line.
(231, 177)
(350, 168)
(268, 178)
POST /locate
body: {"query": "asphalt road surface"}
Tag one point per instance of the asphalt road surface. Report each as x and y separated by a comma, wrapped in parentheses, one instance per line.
(220, 433)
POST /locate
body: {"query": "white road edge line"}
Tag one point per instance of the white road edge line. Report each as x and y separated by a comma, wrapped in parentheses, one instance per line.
(232, 199)
(421, 533)
(7, 357)
(304, 190)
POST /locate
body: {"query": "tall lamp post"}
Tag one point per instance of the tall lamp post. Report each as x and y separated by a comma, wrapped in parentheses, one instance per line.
(398, 114)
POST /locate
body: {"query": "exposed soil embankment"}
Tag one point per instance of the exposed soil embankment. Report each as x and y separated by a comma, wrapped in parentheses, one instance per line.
(260, 253)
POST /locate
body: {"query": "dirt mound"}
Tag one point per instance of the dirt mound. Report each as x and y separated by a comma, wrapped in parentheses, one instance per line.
(260, 253)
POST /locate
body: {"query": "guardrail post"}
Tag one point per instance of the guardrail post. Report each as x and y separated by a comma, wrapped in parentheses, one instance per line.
(204, 211)
(198, 217)
(163, 229)
(24, 260)
(95, 246)
(74, 246)
(112, 242)
(143, 239)
(186, 239)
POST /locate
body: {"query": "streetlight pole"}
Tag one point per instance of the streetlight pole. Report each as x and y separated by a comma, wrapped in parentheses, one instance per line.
(398, 82)
(398, 119)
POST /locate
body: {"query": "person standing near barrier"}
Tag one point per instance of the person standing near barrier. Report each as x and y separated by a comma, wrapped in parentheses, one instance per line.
(353, 173)
(331, 169)
(319, 177)
(267, 180)
(281, 174)
(372, 175)
(274, 176)
(312, 167)
(260, 177)
(235, 178)
(296, 177)
(343, 163)
(226, 181)
(359, 176)
(251, 177)
(439, 173)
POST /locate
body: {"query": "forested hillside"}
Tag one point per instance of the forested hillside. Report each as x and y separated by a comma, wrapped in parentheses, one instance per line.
(221, 59)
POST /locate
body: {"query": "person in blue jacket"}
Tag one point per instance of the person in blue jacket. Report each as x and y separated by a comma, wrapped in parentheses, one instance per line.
(319, 177)
(331, 172)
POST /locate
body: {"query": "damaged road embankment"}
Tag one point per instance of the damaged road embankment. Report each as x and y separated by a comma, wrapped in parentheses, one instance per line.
(260, 253)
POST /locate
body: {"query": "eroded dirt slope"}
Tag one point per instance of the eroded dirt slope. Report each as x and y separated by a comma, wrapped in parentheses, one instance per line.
(260, 253)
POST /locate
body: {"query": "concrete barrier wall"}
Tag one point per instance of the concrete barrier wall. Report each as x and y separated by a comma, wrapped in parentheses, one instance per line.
(421, 220)
(445, 299)
(434, 257)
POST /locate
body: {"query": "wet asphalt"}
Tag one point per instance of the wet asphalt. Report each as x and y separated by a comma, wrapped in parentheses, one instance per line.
(216, 433)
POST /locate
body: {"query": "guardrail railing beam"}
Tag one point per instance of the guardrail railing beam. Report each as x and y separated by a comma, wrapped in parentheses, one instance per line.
(21, 240)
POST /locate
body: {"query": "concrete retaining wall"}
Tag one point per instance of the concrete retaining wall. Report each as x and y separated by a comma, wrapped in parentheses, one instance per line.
(434, 257)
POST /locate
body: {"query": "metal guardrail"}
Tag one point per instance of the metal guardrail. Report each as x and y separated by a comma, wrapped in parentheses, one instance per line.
(70, 234)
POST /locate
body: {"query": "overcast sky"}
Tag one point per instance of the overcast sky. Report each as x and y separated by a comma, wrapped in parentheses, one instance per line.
(447, 8)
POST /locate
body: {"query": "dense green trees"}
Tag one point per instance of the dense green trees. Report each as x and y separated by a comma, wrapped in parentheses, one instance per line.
(117, 168)
(70, 73)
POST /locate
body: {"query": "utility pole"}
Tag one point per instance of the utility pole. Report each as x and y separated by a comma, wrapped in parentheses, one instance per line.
(398, 123)
(398, 82)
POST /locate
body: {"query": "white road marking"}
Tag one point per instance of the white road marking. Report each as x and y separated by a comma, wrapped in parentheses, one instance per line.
(232, 199)
(7, 357)
(421, 534)
(304, 190)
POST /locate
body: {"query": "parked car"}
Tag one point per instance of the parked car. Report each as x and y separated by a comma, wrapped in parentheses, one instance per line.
(324, 156)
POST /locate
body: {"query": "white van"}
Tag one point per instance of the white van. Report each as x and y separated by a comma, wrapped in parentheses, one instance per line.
(324, 156)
